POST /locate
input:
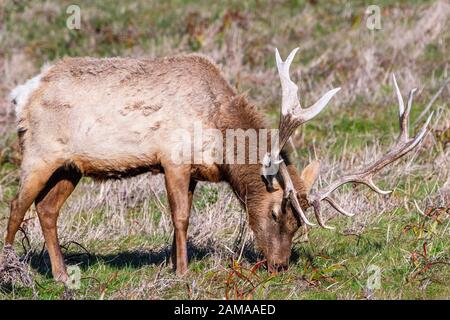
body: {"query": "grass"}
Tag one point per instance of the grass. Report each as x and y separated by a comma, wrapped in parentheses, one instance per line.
(119, 233)
(332, 265)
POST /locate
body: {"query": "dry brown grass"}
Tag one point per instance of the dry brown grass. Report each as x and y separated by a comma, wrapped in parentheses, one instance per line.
(15, 271)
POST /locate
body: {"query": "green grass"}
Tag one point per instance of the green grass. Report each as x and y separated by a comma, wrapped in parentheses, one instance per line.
(332, 265)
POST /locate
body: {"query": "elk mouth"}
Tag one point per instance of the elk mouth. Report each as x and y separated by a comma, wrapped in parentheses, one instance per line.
(276, 267)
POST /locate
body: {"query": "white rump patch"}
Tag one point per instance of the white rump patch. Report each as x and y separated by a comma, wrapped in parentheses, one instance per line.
(20, 94)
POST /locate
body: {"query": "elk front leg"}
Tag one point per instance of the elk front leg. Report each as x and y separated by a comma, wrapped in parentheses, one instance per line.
(178, 180)
(192, 186)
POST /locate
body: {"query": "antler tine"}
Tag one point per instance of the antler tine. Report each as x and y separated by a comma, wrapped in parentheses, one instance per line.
(402, 147)
(405, 118)
(338, 207)
(291, 194)
(289, 90)
(316, 206)
(401, 104)
(403, 113)
(292, 114)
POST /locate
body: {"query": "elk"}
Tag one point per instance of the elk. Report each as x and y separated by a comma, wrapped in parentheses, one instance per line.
(113, 117)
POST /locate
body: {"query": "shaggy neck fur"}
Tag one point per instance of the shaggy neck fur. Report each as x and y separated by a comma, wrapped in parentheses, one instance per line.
(245, 179)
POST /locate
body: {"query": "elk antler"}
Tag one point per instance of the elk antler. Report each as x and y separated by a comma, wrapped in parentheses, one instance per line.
(292, 116)
(403, 145)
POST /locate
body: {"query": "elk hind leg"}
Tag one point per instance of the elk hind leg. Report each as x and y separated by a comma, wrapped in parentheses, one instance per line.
(32, 183)
(48, 204)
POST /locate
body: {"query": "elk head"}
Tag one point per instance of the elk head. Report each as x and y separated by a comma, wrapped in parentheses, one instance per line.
(284, 213)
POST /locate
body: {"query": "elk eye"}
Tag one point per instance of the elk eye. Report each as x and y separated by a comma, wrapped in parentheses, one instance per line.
(274, 215)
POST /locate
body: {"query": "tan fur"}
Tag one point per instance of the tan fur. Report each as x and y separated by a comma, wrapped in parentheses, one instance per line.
(310, 174)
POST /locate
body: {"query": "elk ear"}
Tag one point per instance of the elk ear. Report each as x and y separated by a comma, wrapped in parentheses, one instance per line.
(310, 174)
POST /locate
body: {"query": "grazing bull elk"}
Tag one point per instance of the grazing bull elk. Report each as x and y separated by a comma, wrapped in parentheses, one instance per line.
(113, 118)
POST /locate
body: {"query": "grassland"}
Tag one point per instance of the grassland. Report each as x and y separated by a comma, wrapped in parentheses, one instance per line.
(119, 233)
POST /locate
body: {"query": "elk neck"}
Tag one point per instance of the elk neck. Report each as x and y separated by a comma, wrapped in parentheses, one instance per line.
(245, 179)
